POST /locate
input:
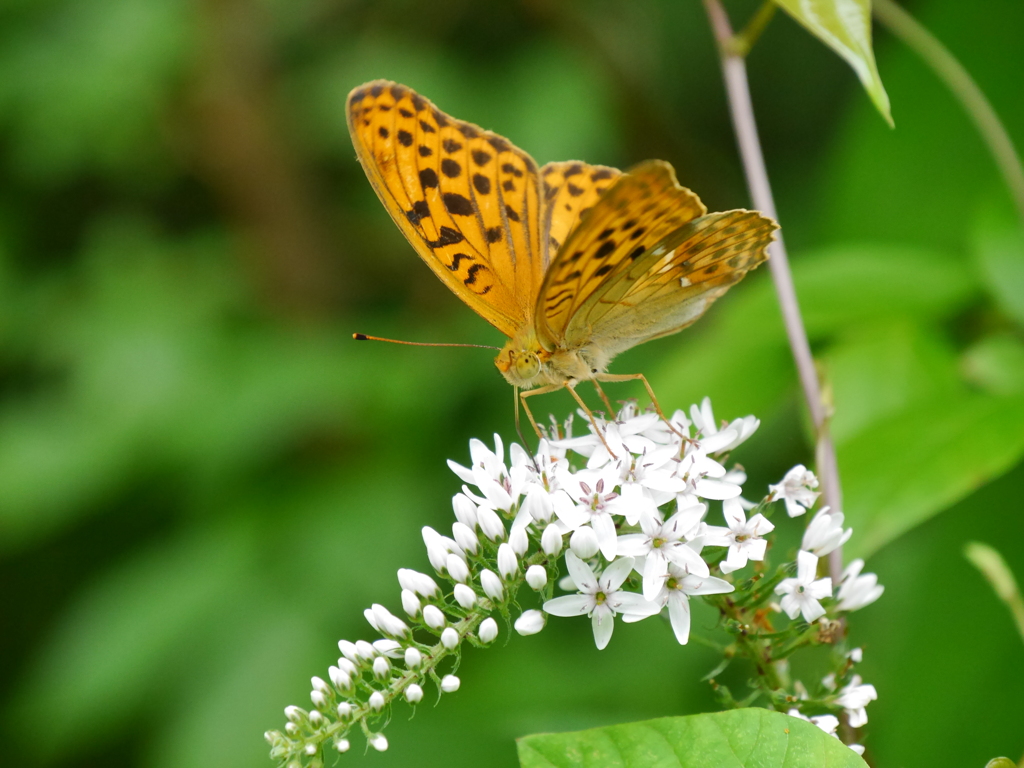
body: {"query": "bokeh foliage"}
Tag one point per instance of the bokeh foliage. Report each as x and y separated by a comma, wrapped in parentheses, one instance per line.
(203, 480)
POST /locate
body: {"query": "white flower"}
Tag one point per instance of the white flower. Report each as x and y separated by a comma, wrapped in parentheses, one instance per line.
(376, 701)
(668, 433)
(530, 623)
(856, 591)
(450, 683)
(584, 499)
(465, 510)
(344, 710)
(801, 594)
(600, 597)
(488, 630)
(739, 429)
(342, 745)
(662, 543)
(414, 694)
(464, 596)
(449, 638)
(796, 490)
(551, 540)
(433, 617)
(390, 648)
(827, 723)
(413, 657)
(379, 742)
(508, 563)
(583, 542)
(854, 698)
(417, 582)
(465, 536)
(457, 567)
(519, 540)
(410, 603)
(490, 523)
(825, 532)
(742, 536)
(675, 590)
(536, 577)
(491, 583)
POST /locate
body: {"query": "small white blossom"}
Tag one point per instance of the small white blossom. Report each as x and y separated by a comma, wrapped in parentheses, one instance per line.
(488, 630)
(342, 745)
(465, 537)
(381, 667)
(508, 563)
(365, 650)
(413, 657)
(538, 504)
(796, 489)
(464, 596)
(519, 540)
(490, 524)
(583, 542)
(491, 583)
(825, 532)
(410, 603)
(585, 500)
(551, 540)
(417, 582)
(318, 699)
(449, 638)
(387, 623)
(856, 591)
(674, 591)
(450, 683)
(739, 429)
(379, 742)
(344, 710)
(854, 698)
(341, 679)
(827, 723)
(465, 510)
(387, 647)
(601, 597)
(376, 701)
(743, 537)
(662, 543)
(414, 694)
(433, 617)
(457, 568)
(802, 593)
(530, 623)
(536, 577)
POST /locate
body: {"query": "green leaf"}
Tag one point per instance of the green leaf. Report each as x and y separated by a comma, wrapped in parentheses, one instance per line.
(845, 27)
(1000, 252)
(915, 464)
(996, 364)
(738, 738)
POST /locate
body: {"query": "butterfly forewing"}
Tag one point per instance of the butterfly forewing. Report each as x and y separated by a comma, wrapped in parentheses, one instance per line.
(466, 198)
(569, 190)
(638, 210)
(672, 284)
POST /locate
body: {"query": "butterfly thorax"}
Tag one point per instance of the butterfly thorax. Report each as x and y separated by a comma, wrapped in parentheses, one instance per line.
(525, 363)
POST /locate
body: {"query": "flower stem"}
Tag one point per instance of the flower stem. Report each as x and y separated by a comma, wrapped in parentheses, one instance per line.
(738, 90)
(964, 89)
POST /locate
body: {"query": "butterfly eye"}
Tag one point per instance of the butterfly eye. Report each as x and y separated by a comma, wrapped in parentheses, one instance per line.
(527, 365)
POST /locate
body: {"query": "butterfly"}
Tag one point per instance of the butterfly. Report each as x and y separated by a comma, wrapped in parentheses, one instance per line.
(574, 263)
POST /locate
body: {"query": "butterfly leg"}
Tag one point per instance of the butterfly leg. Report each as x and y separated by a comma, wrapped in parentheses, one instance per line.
(613, 377)
(530, 393)
(597, 430)
(604, 397)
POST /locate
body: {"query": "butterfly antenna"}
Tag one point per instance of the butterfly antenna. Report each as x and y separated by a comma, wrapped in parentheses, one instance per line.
(364, 337)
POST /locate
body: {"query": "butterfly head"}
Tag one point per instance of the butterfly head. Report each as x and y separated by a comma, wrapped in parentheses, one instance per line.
(520, 365)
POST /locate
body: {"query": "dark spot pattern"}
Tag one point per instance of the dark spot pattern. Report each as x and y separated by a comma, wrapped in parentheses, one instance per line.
(405, 113)
(383, 132)
(711, 270)
(384, 107)
(508, 185)
(451, 145)
(603, 270)
(480, 157)
(606, 248)
(428, 178)
(456, 204)
(499, 144)
(468, 131)
(572, 170)
(376, 90)
(450, 168)
(471, 274)
(606, 233)
(425, 151)
(512, 215)
(493, 234)
(420, 210)
(399, 91)
(638, 233)
(427, 127)
(604, 173)
(405, 138)
(575, 257)
(482, 184)
(447, 236)
(457, 258)
(509, 168)
(419, 103)
(637, 253)
(574, 190)
(440, 118)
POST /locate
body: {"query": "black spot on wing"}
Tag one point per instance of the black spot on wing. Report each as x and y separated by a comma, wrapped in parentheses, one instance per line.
(482, 184)
(637, 253)
(383, 132)
(450, 168)
(457, 205)
(508, 185)
(604, 270)
(604, 173)
(574, 190)
(420, 210)
(493, 234)
(468, 131)
(499, 144)
(376, 90)
(572, 170)
(480, 157)
(457, 258)
(428, 178)
(419, 103)
(606, 248)
(450, 145)
(509, 168)
(447, 236)
(405, 113)
(427, 127)
(425, 151)
(471, 274)
(398, 91)
(405, 138)
(512, 215)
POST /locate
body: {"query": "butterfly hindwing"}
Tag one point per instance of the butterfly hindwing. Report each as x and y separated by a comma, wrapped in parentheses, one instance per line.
(466, 198)
(639, 209)
(569, 191)
(672, 284)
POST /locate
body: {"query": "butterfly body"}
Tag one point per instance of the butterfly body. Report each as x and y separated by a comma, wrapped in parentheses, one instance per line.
(573, 262)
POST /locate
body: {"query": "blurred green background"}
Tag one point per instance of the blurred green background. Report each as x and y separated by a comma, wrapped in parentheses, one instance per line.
(203, 480)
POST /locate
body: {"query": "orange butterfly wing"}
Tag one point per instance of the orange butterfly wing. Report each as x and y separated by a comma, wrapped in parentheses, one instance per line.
(466, 199)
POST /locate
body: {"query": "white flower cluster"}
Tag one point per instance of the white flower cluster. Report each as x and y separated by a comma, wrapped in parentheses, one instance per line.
(638, 544)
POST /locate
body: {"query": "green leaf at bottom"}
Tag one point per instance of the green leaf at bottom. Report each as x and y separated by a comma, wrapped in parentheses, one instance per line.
(740, 738)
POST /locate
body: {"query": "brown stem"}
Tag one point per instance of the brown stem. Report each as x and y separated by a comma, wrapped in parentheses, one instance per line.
(738, 90)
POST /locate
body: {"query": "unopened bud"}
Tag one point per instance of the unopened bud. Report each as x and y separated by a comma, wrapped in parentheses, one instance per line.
(538, 504)
(341, 679)
(381, 667)
(449, 638)
(457, 568)
(433, 617)
(410, 603)
(530, 623)
(488, 630)
(491, 584)
(379, 742)
(348, 650)
(583, 543)
(490, 524)
(466, 538)
(376, 701)
(294, 714)
(508, 563)
(417, 582)
(465, 596)
(537, 577)
(414, 694)
(465, 510)
(551, 541)
(342, 745)
(316, 719)
(344, 710)
(413, 657)
(365, 650)
(318, 699)
(450, 683)
(519, 540)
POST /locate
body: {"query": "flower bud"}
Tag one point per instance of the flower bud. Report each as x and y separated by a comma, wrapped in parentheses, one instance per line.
(410, 603)
(413, 657)
(379, 742)
(348, 650)
(389, 648)
(449, 638)
(519, 540)
(381, 667)
(538, 504)
(491, 584)
(465, 510)
(310, 749)
(291, 729)
(437, 555)
(508, 563)
(457, 568)
(342, 745)
(319, 684)
(318, 699)
(364, 650)
(316, 719)
(490, 524)
(344, 710)
(346, 666)
(341, 679)
(465, 596)
(371, 619)
(387, 622)
(488, 630)
(536, 577)
(433, 617)
(417, 582)
(583, 543)
(414, 694)
(450, 683)
(530, 623)
(551, 541)
(466, 538)
(295, 714)
(376, 701)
